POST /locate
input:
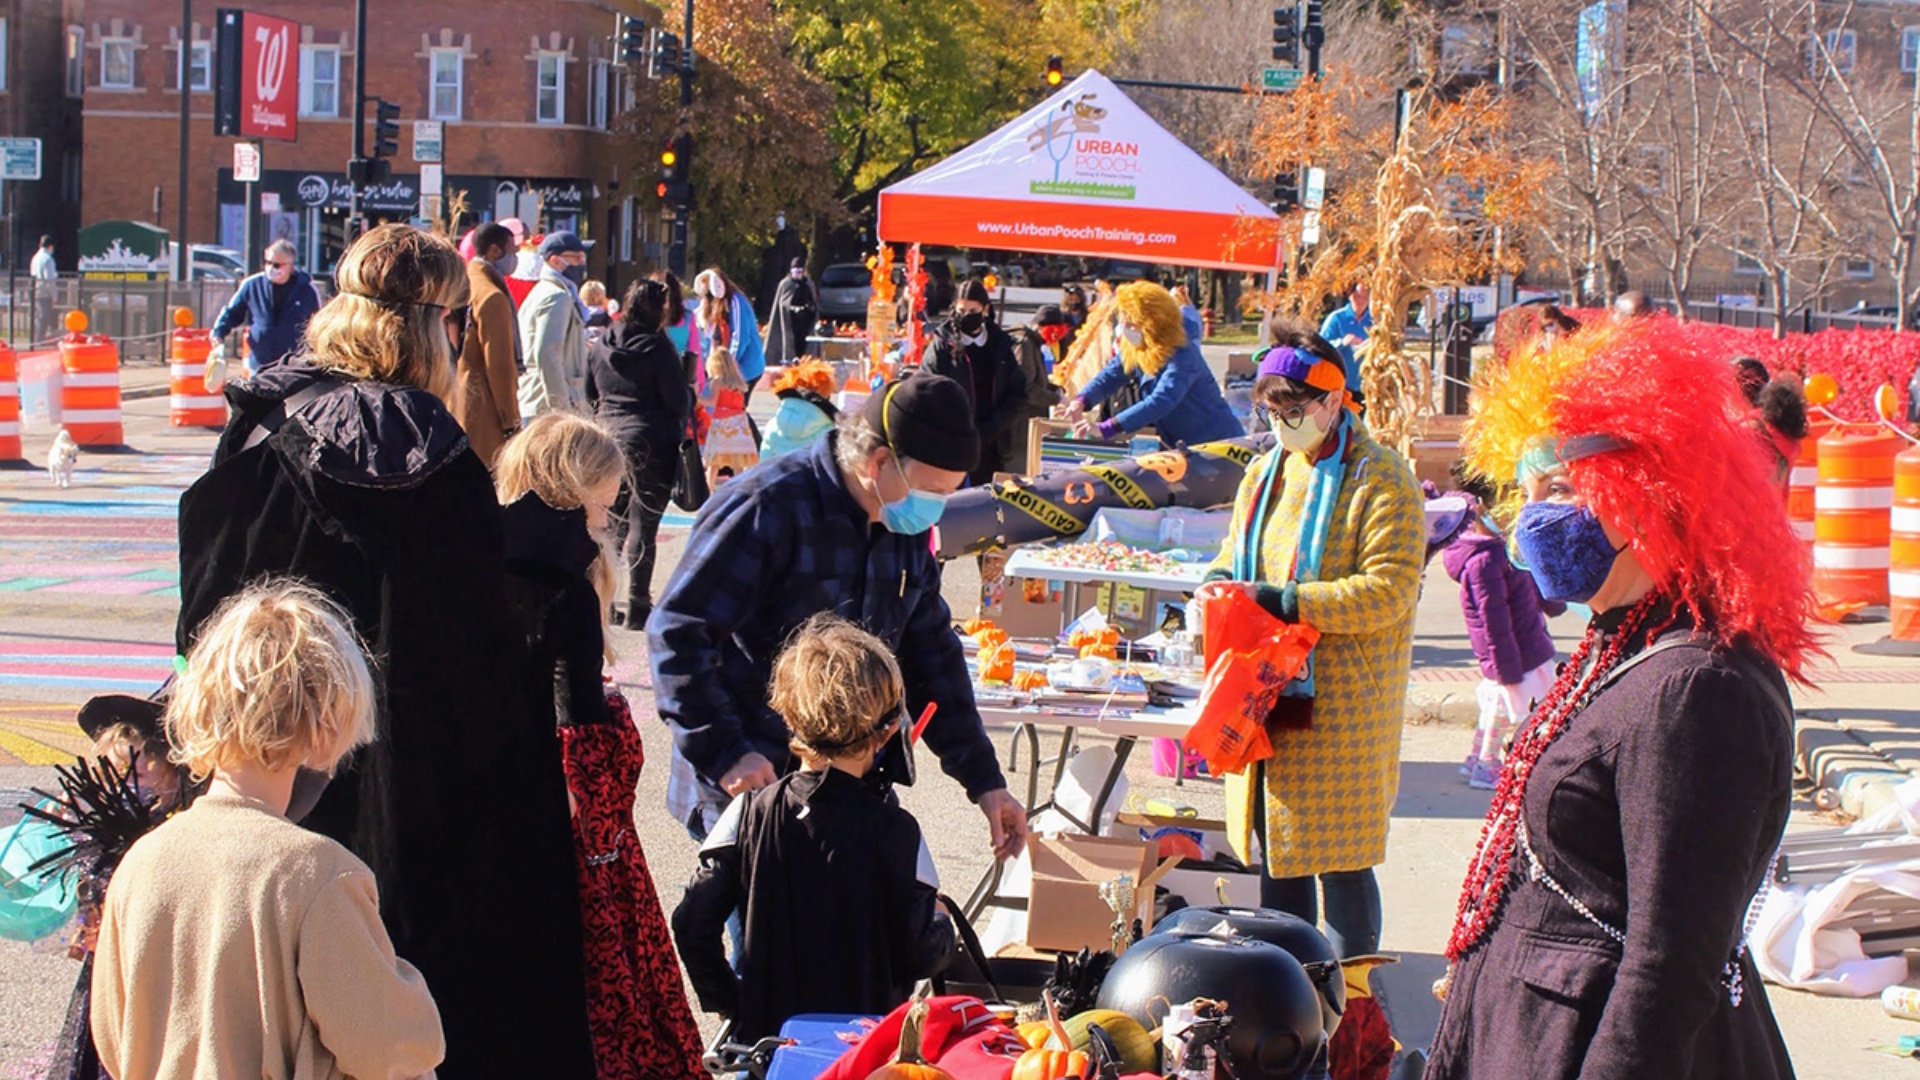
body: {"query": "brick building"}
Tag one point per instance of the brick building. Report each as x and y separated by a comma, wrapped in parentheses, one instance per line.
(529, 93)
(39, 99)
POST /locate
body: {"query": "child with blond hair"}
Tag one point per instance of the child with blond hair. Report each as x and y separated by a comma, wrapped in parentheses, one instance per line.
(834, 886)
(730, 448)
(557, 481)
(234, 942)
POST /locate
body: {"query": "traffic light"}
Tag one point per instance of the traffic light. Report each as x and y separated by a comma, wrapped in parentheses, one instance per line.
(1286, 192)
(385, 144)
(1286, 35)
(1056, 70)
(675, 154)
(633, 40)
(1313, 34)
(666, 55)
(669, 159)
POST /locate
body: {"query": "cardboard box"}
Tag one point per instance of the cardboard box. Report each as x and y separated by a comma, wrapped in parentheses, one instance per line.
(1202, 887)
(1064, 911)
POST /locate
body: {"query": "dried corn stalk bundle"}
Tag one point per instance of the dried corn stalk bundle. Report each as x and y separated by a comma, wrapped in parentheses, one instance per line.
(1410, 238)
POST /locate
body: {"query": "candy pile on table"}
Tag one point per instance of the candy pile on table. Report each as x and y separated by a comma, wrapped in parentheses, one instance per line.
(1108, 556)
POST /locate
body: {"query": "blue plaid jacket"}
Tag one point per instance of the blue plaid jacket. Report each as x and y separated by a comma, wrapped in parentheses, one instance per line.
(778, 544)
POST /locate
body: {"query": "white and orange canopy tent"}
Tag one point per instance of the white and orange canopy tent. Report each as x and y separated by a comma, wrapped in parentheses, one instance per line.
(1085, 173)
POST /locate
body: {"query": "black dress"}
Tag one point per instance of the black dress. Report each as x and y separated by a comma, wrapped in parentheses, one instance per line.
(991, 373)
(637, 384)
(370, 493)
(1659, 808)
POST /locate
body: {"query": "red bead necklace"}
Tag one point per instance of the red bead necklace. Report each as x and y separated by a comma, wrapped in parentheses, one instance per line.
(1490, 872)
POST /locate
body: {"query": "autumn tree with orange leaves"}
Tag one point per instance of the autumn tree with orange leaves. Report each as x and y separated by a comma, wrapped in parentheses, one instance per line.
(1446, 204)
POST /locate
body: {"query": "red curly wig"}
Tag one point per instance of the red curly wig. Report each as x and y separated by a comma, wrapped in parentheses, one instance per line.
(1691, 488)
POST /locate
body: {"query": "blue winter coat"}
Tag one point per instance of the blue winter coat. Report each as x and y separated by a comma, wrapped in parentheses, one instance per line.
(1183, 402)
(271, 334)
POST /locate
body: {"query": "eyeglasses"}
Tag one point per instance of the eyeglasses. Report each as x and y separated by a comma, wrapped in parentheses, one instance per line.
(1292, 416)
(271, 265)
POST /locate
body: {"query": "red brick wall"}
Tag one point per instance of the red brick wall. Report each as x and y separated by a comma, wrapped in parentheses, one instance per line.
(132, 137)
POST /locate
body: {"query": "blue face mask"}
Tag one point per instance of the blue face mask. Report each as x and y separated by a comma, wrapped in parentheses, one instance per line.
(1566, 550)
(914, 514)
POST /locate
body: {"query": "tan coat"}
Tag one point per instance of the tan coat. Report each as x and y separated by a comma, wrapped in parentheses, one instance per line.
(235, 943)
(485, 394)
(1330, 789)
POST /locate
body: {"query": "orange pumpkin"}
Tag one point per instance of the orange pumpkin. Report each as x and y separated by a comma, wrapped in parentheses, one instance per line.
(1029, 680)
(996, 662)
(1102, 650)
(973, 626)
(907, 1064)
(990, 635)
(1080, 639)
(1045, 1062)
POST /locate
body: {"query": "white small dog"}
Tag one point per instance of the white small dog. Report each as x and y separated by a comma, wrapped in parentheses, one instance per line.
(61, 457)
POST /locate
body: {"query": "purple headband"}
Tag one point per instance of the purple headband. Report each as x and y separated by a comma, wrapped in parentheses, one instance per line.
(1303, 367)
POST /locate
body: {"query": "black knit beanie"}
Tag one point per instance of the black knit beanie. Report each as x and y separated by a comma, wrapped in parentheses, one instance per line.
(928, 418)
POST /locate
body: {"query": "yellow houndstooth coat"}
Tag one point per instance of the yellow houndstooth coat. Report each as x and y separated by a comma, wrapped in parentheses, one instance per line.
(1330, 789)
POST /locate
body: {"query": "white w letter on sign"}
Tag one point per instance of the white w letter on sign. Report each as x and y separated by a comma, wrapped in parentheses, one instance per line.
(272, 70)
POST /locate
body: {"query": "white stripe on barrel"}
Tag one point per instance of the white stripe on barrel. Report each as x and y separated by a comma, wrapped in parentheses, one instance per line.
(1834, 557)
(1842, 498)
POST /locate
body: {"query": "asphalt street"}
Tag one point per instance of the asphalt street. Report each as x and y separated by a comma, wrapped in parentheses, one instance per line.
(89, 590)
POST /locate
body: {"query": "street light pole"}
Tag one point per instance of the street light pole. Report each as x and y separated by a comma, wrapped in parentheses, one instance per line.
(357, 167)
(677, 250)
(183, 269)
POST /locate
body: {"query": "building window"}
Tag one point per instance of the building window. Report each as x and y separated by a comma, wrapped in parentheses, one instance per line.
(1910, 49)
(1652, 179)
(447, 64)
(200, 66)
(116, 64)
(550, 92)
(599, 95)
(76, 61)
(319, 80)
(3, 54)
(1859, 268)
(1743, 261)
(1840, 48)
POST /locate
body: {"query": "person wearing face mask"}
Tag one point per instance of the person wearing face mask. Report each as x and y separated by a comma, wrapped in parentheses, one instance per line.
(485, 397)
(274, 305)
(1602, 927)
(839, 527)
(1041, 347)
(796, 308)
(1159, 348)
(724, 319)
(553, 330)
(972, 350)
(1328, 530)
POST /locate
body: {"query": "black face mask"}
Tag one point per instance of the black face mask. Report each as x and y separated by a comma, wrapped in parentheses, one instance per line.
(971, 322)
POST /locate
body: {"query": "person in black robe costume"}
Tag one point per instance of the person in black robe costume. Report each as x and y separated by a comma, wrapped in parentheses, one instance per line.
(796, 310)
(368, 490)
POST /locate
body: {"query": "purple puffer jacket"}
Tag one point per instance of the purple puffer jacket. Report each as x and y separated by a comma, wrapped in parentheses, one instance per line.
(1505, 622)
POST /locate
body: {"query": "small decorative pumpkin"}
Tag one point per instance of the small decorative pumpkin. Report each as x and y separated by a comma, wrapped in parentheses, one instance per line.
(996, 663)
(1108, 636)
(972, 627)
(907, 1064)
(1029, 680)
(1136, 1048)
(1101, 650)
(1034, 1032)
(989, 636)
(1046, 1062)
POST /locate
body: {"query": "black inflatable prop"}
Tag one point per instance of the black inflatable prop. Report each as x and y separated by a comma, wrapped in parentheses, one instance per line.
(1302, 940)
(1276, 1031)
(1062, 503)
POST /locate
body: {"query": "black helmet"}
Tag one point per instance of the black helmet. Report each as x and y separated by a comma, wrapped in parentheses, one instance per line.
(1291, 932)
(1276, 1012)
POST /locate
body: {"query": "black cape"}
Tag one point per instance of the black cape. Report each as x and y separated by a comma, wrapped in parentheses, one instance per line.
(837, 902)
(371, 493)
(796, 310)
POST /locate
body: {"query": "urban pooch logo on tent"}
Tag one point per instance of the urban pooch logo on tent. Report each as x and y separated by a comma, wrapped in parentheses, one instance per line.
(1101, 167)
(259, 88)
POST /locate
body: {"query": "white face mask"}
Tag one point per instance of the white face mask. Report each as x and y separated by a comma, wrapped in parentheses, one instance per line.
(717, 288)
(1132, 335)
(1304, 439)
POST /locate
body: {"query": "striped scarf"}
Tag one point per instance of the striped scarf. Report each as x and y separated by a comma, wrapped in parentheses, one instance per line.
(1316, 520)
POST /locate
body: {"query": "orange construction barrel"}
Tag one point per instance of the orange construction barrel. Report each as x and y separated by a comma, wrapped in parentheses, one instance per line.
(9, 405)
(1803, 479)
(1852, 524)
(90, 385)
(189, 404)
(1903, 580)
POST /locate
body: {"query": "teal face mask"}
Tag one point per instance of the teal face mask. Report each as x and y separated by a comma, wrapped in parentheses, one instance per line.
(917, 512)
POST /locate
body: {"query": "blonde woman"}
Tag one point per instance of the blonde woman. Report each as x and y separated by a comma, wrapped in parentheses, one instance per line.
(730, 448)
(1159, 350)
(558, 480)
(342, 467)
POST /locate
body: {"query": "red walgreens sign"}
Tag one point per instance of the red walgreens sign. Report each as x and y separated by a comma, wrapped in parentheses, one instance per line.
(259, 93)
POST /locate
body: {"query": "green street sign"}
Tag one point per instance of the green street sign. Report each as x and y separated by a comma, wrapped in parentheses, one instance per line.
(1279, 78)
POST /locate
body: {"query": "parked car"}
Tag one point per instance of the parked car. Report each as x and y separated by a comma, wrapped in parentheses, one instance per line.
(845, 289)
